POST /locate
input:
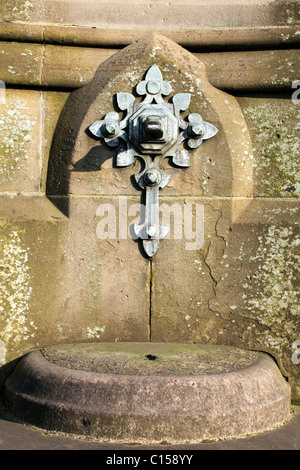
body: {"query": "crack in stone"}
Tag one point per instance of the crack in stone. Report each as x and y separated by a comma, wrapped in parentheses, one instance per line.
(210, 269)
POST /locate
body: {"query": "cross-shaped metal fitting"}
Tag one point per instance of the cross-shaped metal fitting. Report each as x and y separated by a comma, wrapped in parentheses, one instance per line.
(152, 130)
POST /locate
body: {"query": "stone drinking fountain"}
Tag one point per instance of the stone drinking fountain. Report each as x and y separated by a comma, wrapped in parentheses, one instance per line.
(170, 358)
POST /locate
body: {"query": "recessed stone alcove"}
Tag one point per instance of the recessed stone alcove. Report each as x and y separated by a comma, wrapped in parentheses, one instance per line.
(211, 291)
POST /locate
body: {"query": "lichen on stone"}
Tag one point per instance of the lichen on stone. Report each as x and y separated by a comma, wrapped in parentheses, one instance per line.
(16, 126)
(96, 332)
(274, 125)
(273, 296)
(15, 289)
(21, 9)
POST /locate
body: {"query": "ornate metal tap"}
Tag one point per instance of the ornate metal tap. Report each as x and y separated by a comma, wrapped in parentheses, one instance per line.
(153, 130)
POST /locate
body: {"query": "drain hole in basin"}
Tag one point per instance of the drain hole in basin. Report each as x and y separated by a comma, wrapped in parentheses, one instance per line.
(150, 357)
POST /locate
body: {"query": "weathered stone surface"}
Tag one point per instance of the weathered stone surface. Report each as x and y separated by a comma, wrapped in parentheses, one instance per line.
(69, 67)
(258, 282)
(112, 298)
(150, 359)
(51, 106)
(205, 23)
(182, 278)
(73, 67)
(206, 38)
(74, 163)
(20, 156)
(149, 393)
(208, 13)
(236, 282)
(28, 119)
(274, 124)
(60, 282)
(240, 288)
(252, 70)
(32, 270)
(23, 33)
(21, 63)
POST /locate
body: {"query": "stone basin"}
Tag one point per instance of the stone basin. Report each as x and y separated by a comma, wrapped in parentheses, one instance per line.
(149, 392)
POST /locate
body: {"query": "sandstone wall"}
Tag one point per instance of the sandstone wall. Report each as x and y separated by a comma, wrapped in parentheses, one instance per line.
(58, 283)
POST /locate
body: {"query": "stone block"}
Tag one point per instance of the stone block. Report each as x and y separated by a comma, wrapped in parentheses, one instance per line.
(20, 147)
(252, 70)
(274, 125)
(21, 63)
(52, 104)
(211, 23)
(71, 67)
(112, 294)
(61, 283)
(32, 270)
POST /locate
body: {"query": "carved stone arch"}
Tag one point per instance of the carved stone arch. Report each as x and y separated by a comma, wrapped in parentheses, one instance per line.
(75, 163)
(220, 175)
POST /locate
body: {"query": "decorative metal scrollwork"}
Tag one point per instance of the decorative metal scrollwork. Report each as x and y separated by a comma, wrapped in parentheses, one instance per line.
(153, 129)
